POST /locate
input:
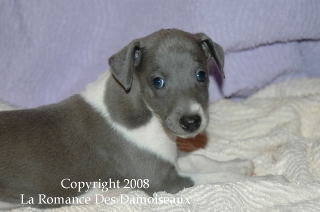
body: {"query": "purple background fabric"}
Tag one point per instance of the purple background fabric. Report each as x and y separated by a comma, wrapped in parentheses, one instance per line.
(52, 49)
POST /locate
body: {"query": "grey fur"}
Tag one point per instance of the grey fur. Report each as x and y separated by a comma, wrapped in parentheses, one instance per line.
(42, 146)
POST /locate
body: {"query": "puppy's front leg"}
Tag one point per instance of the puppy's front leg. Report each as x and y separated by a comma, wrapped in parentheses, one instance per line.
(202, 169)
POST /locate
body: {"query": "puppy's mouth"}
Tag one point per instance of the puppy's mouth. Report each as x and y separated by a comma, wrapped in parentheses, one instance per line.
(187, 136)
(178, 132)
(184, 126)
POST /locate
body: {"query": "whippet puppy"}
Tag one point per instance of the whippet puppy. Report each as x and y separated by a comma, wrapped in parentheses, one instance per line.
(123, 126)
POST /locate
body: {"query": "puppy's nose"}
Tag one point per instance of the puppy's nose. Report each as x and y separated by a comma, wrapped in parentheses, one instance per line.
(190, 123)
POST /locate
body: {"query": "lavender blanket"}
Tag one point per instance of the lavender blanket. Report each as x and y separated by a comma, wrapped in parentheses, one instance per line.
(52, 49)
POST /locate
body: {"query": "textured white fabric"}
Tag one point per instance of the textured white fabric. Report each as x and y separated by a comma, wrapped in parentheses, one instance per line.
(279, 129)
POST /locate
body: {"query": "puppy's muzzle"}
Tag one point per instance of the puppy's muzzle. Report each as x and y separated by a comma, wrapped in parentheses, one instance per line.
(190, 123)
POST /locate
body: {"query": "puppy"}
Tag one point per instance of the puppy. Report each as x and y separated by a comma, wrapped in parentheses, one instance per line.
(123, 126)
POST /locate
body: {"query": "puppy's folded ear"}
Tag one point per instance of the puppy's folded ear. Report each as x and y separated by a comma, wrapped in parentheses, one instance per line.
(212, 49)
(124, 63)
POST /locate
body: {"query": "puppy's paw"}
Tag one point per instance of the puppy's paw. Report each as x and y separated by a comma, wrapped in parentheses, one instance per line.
(275, 178)
(244, 167)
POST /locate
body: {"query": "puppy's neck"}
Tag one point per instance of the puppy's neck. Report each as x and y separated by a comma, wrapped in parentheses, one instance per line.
(94, 94)
(129, 116)
(126, 108)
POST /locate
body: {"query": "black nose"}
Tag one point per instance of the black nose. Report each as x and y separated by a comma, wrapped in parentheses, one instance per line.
(190, 123)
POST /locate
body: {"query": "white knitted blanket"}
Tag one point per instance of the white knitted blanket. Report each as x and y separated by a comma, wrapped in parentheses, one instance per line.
(279, 129)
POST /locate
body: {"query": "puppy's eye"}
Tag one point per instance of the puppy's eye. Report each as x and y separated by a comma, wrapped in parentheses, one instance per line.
(201, 76)
(158, 82)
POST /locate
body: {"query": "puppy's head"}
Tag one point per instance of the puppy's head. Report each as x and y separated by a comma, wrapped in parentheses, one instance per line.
(169, 68)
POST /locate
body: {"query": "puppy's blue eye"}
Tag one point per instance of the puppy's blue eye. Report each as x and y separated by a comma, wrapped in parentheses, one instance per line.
(158, 82)
(201, 76)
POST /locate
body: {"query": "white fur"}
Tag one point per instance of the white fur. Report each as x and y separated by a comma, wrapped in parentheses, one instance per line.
(150, 137)
(195, 107)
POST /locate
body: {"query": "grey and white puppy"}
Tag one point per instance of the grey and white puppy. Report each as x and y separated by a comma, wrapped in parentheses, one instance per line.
(122, 126)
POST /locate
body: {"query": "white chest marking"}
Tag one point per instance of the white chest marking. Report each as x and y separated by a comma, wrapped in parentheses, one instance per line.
(150, 137)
